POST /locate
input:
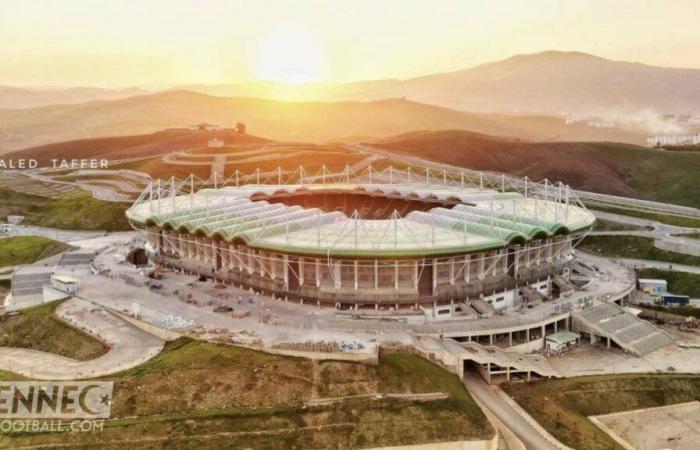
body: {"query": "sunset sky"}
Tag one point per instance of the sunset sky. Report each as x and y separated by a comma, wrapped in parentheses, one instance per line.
(156, 43)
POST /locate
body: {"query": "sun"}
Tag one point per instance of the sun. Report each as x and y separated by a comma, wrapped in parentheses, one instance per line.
(289, 55)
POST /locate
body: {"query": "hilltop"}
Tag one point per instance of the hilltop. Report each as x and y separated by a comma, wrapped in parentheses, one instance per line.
(124, 147)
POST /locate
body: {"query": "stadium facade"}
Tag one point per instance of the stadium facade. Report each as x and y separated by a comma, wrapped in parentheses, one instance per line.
(390, 240)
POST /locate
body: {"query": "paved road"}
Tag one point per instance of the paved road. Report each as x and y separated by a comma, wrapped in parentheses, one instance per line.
(129, 347)
(528, 434)
(637, 221)
(646, 264)
(67, 236)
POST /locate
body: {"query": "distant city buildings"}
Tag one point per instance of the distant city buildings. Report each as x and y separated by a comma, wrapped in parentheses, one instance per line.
(240, 128)
(674, 139)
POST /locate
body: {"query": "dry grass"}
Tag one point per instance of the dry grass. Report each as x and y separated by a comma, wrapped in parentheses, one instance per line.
(37, 328)
(197, 394)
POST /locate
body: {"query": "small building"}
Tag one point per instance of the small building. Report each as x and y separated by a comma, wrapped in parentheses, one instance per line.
(652, 286)
(560, 340)
(64, 284)
(215, 143)
(15, 220)
(240, 128)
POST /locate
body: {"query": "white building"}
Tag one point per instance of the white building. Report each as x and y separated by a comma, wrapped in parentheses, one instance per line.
(674, 139)
(215, 143)
(64, 284)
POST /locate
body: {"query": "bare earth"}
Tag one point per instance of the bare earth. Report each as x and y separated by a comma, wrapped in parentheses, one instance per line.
(675, 426)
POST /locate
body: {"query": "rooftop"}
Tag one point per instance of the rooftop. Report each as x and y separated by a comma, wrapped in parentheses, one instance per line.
(464, 220)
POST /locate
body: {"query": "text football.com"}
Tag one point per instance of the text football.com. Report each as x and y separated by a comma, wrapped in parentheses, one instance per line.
(43, 406)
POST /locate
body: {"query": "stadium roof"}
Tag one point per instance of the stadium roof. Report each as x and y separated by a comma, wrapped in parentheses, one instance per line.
(482, 219)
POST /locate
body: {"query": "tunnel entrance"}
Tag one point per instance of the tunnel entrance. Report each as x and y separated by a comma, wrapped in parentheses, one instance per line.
(137, 257)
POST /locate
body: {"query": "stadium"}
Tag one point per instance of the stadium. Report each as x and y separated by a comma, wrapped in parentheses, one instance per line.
(390, 240)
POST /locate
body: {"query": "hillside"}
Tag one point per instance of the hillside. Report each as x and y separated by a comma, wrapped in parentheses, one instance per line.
(309, 122)
(550, 82)
(124, 147)
(197, 394)
(609, 168)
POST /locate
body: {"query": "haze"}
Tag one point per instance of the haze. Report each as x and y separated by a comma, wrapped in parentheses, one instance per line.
(158, 43)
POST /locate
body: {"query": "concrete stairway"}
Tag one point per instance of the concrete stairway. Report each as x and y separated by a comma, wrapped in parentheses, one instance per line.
(610, 321)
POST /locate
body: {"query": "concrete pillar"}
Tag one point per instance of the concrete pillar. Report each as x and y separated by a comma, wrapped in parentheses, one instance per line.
(396, 275)
(415, 275)
(301, 271)
(510, 339)
(376, 274)
(481, 263)
(251, 266)
(337, 267)
(285, 260)
(317, 265)
(354, 268)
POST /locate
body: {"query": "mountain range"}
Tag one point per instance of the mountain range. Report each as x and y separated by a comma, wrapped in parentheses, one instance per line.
(550, 83)
(282, 121)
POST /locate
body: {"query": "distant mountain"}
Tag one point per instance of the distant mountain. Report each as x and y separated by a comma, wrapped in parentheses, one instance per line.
(548, 83)
(14, 97)
(555, 82)
(285, 121)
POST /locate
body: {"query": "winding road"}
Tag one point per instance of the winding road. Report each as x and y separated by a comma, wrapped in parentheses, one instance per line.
(129, 346)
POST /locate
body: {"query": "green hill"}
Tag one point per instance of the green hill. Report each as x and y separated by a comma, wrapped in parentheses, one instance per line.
(610, 168)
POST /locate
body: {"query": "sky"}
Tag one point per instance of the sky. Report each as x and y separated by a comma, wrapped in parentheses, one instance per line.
(159, 43)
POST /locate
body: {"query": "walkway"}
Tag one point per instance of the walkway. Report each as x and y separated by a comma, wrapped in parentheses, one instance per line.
(532, 437)
(129, 347)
